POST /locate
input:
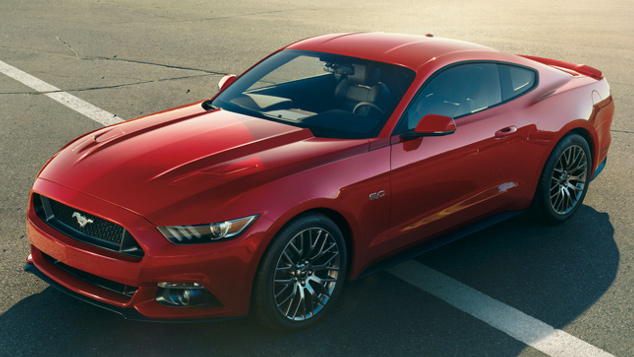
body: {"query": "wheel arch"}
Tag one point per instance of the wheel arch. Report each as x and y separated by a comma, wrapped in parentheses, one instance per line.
(584, 133)
(585, 129)
(339, 219)
(573, 128)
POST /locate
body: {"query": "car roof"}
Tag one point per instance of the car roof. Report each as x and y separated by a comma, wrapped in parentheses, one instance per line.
(412, 51)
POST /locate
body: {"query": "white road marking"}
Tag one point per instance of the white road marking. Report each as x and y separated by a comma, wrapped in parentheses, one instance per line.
(522, 327)
(97, 114)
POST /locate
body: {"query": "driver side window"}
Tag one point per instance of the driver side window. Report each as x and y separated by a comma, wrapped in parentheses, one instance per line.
(456, 92)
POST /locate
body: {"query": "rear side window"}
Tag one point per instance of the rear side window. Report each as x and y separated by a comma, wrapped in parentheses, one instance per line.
(516, 80)
(455, 92)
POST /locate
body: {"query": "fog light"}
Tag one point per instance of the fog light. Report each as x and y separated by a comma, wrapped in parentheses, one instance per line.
(184, 294)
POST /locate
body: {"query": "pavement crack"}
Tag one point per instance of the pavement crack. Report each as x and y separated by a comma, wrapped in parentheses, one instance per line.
(69, 47)
(107, 87)
(622, 131)
(115, 58)
(246, 15)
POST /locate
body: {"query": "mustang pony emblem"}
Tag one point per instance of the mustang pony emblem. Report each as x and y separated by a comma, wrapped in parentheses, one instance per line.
(82, 220)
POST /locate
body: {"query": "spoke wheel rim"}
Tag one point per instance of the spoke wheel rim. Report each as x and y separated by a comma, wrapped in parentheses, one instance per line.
(568, 180)
(306, 274)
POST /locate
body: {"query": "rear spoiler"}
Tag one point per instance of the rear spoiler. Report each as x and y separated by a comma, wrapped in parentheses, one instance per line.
(579, 68)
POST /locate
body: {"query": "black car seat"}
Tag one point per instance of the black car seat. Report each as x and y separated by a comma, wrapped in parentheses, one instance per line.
(362, 92)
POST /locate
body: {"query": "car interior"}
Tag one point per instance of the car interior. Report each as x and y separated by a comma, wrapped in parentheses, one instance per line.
(350, 99)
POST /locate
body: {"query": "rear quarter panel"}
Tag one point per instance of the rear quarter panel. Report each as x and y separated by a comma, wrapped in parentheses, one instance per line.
(561, 104)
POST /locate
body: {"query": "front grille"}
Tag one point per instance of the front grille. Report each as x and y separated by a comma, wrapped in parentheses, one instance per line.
(93, 279)
(96, 231)
(98, 228)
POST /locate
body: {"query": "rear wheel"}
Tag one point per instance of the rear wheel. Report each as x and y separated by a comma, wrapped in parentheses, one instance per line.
(564, 181)
(301, 274)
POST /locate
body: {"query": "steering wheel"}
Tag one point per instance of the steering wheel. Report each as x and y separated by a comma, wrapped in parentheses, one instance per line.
(361, 104)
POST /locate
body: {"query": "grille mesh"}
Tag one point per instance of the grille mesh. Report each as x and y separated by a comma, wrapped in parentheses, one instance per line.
(96, 231)
(99, 228)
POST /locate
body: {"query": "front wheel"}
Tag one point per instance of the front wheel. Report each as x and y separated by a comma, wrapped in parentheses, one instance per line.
(301, 274)
(564, 181)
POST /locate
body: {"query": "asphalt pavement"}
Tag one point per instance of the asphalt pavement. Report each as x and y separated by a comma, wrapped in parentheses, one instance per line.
(133, 58)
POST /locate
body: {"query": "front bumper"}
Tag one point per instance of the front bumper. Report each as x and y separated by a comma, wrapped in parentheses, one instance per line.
(127, 313)
(226, 268)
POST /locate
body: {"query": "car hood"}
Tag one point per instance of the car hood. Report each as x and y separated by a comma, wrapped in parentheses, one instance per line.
(168, 161)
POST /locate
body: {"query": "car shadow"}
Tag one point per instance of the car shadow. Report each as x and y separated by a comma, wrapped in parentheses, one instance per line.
(553, 273)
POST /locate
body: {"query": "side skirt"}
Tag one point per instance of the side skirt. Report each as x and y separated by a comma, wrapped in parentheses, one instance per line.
(439, 242)
(599, 169)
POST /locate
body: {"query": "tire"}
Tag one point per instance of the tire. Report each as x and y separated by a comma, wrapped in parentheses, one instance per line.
(564, 181)
(301, 274)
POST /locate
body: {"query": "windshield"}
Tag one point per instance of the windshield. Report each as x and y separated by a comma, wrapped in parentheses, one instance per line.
(334, 96)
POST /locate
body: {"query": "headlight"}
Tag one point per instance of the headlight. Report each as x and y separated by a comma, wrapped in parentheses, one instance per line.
(207, 232)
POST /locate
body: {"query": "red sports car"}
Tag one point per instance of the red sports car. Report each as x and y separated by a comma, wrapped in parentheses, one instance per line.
(331, 158)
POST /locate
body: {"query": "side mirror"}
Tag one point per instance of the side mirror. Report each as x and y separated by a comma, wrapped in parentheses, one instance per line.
(432, 125)
(226, 81)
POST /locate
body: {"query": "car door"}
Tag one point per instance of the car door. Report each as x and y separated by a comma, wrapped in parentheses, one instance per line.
(439, 183)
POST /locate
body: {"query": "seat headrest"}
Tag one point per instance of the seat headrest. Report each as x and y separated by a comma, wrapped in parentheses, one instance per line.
(336, 68)
(365, 75)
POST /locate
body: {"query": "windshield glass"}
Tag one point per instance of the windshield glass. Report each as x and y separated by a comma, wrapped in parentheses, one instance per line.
(334, 96)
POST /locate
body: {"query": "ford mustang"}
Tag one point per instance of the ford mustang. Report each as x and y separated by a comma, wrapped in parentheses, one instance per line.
(332, 158)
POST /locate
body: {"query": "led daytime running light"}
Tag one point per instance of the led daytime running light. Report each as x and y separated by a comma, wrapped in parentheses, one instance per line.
(208, 232)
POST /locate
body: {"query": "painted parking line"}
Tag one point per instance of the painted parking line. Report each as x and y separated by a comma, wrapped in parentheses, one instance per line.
(97, 114)
(520, 326)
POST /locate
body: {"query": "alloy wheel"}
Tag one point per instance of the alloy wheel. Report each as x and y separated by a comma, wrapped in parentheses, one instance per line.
(306, 274)
(568, 180)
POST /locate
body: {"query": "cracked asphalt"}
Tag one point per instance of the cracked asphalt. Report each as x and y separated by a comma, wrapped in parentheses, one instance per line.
(133, 58)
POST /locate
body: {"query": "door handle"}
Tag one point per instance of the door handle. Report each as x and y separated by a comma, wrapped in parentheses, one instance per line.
(506, 131)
